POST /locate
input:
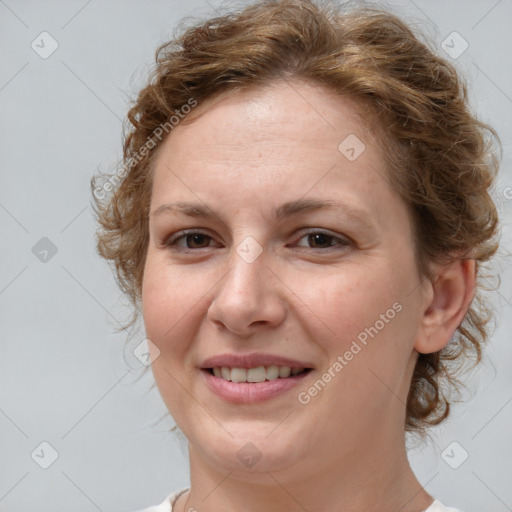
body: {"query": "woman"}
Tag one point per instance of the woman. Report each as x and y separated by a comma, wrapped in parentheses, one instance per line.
(302, 218)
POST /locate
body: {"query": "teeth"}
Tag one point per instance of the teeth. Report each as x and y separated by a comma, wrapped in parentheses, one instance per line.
(258, 374)
(273, 372)
(238, 375)
(284, 371)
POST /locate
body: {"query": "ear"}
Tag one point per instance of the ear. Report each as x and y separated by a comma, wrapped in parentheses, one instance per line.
(449, 298)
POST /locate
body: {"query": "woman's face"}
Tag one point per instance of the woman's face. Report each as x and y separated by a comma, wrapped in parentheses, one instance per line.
(248, 270)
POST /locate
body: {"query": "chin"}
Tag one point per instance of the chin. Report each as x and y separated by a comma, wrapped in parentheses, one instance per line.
(251, 450)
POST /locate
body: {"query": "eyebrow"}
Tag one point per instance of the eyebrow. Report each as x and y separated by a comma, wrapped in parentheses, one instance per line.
(284, 211)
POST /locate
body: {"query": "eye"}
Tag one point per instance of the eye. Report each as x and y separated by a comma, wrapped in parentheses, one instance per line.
(192, 240)
(322, 238)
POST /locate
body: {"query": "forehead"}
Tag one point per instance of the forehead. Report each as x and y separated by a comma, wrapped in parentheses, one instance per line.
(283, 109)
(300, 115)
(270, 144)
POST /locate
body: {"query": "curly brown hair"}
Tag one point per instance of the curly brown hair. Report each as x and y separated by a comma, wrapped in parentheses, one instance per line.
(441, 159)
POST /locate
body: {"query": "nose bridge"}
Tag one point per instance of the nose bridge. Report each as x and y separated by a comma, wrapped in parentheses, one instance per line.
(247, 267)
(245, 295)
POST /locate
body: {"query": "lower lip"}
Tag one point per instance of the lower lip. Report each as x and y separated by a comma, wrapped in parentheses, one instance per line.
(251, 392)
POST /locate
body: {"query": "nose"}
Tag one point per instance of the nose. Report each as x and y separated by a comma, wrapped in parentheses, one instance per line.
(249, 297)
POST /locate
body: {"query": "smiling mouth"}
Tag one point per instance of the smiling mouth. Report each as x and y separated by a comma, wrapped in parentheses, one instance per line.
(257, 374)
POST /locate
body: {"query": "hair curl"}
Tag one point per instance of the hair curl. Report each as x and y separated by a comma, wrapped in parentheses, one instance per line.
(441, 158)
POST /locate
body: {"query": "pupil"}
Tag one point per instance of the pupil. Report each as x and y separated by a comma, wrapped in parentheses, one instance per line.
(196, 237)
(320, 238)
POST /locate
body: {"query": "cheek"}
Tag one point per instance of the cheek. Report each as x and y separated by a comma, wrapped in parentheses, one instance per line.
(171, 311)
(169, 305)
(366, 316)
(351, 299)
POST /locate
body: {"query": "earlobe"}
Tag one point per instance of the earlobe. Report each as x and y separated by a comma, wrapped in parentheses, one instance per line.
(449, 299)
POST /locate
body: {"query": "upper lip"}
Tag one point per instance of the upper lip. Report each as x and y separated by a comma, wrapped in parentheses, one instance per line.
(252, 361)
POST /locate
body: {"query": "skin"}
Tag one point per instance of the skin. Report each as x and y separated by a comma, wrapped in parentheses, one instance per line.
(244, 154)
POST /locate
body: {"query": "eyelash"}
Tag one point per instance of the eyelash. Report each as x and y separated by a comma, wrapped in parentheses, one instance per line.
(171, 242)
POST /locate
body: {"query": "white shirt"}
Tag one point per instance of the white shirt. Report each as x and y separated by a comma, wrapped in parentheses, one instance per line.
(167, 505)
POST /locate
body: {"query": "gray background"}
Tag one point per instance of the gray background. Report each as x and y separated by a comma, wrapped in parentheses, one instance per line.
(68, 378)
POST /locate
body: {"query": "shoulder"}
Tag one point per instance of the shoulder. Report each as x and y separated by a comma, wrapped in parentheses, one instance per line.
(167, 504)
(437, 506)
